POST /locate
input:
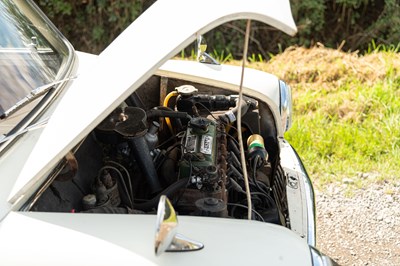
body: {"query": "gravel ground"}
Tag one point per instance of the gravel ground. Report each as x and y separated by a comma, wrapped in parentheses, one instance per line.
(360, 229)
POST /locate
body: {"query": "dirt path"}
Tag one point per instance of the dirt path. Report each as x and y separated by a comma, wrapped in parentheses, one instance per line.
(363, 229)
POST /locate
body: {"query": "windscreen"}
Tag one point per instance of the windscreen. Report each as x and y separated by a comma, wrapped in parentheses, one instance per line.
(30, 54)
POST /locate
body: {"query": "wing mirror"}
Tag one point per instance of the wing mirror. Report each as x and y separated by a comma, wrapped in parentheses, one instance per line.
(202, 56)
(167, 238)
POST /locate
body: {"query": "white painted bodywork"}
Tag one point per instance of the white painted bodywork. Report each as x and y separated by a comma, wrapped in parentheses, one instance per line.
(101, 239)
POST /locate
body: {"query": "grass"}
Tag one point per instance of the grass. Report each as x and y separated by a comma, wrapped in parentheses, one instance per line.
(346, 122)
(374, 48)
(222, 57)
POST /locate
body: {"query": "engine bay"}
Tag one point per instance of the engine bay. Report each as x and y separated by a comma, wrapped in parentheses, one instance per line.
(176, 138)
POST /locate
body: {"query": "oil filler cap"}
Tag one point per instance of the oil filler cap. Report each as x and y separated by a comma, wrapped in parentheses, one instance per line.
(200, 124)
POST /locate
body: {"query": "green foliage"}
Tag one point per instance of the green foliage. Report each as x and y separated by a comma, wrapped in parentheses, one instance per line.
(92, 24)
(185, 55)
(376, 48)
(356, 22)
(56, 7)
(308, 24)
(221, 57)
(255, 58)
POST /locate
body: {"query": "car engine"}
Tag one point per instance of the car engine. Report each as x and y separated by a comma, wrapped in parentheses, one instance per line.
(183, 144)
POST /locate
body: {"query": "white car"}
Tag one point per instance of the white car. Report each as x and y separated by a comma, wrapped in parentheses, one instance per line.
(100, 156)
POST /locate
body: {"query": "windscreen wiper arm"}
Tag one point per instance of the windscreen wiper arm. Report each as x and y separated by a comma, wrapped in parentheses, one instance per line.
(31, 96)
(37, 125)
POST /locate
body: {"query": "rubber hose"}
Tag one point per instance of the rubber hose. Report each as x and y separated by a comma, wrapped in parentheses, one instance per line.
(172, 189)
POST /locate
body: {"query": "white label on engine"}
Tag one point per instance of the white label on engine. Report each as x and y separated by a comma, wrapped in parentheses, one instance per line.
(231, 116)
(191, 141)
(206, 142)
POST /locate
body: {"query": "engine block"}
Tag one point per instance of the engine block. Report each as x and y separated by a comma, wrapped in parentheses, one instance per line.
(200, 151)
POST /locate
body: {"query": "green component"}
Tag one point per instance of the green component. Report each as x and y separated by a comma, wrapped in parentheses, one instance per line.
(200, 146)
(256, 144)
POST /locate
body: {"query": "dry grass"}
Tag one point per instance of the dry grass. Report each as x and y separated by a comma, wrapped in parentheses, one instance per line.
(321, 71)
(330, 68)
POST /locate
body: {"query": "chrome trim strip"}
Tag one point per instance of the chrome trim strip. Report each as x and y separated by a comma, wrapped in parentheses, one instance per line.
(310, 201)
(182, 243)
(319, 259)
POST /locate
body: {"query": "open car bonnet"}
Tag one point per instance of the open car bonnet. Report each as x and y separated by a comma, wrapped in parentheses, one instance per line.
(158, 34)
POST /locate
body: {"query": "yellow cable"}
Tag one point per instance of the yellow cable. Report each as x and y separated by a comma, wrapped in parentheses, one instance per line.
(165, 104)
